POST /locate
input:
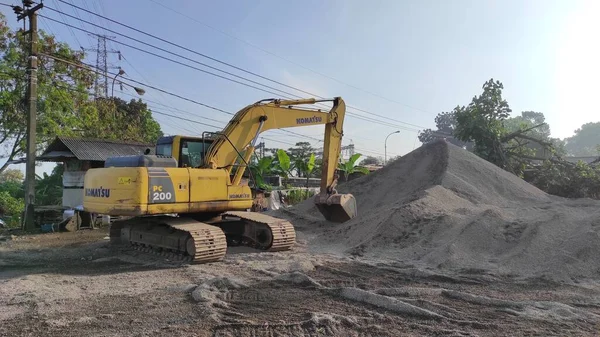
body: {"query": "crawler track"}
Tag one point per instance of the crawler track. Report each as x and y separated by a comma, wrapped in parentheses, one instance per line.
(178, 238)
(187, 240)
(278, 235)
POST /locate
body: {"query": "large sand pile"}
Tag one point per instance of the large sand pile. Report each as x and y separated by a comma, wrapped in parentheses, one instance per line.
(443, 207)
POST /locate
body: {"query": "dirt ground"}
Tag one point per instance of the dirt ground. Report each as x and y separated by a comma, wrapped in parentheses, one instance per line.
(76, 284)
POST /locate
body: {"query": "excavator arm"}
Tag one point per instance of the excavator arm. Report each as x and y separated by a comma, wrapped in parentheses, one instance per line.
(235, 145)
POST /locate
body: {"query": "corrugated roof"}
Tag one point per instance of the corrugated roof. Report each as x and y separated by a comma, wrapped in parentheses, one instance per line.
(96, 149)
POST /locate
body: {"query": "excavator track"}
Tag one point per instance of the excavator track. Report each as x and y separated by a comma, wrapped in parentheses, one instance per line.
(188, 240)
(262, 231)
(177, 238)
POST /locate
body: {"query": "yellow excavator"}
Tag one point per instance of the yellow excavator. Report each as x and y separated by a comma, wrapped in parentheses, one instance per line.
(189, 200)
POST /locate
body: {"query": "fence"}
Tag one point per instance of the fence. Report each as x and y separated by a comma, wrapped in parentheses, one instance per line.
(277, 181)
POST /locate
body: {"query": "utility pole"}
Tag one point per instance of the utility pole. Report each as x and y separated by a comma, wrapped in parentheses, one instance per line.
(27, 12)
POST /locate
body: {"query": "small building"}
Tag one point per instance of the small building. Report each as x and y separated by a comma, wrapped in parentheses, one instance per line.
(355, 175)
(585, 159)
(81, 154)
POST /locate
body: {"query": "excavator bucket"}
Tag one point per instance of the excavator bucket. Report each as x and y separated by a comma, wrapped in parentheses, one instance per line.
(336, 207)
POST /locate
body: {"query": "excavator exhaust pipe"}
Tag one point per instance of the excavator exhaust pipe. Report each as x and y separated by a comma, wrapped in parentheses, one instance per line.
(336, 207)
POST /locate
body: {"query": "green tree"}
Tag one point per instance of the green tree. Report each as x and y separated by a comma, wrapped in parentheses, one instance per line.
(369, 160)
(537, 130)
(483, 123)
(11, 208)
(446, 124)
(56, 97)
(12, 175)
(301, 152)
(306, 167)
(393, 159)
(317, 170)
(527, 120)
(585, 140)
(64, 106)
(569, 180)
(349, 167)
(48, 188)
(11, 181)
(114, 118)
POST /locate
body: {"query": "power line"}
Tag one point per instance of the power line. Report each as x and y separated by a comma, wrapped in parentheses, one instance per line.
(137, 82)
(90, 68)
(80, 66)
(91, 43)
(168, 121)
(135, 69)
(214, 126)
(285, 59)
(173, 108)
(216, 60)
(349, 113)
(175, 54)
(70, 30)
(187, 49)
(186, 119)
(176, 116)
(101, 10)
(218, 121)
(86, 6)
(49, 29)
(210, 125)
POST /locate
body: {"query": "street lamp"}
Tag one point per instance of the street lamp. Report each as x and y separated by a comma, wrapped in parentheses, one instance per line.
(121, 72)
(385, 153)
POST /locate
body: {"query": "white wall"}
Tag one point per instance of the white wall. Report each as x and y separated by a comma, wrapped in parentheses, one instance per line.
(73, 196)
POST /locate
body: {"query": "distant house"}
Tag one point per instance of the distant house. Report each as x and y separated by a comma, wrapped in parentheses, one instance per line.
(371, 168)
(81, 154)
(587, 160)
(572, 159)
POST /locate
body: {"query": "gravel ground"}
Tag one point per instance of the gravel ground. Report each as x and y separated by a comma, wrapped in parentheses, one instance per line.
(76, 284)
(445, 244)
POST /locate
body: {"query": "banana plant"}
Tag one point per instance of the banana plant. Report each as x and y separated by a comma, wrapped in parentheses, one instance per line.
(260, 169)
(284, 164)
(349, 167)
(306, 167)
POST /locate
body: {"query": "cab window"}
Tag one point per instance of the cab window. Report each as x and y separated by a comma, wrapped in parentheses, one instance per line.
(192, 153)
(164, 150)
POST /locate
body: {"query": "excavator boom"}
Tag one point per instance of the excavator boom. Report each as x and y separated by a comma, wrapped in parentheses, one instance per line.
(245, 127)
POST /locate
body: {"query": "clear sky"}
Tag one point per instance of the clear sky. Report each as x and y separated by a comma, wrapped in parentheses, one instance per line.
(407, 60)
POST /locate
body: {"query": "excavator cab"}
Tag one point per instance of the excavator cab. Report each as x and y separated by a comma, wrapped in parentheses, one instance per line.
(187, 151)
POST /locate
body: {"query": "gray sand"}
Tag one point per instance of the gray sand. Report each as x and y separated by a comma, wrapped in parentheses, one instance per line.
(443, 207)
